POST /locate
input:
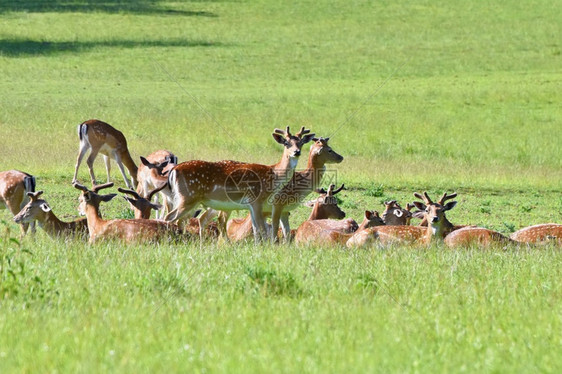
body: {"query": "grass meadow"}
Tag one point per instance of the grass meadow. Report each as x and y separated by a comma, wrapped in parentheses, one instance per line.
(436, 96)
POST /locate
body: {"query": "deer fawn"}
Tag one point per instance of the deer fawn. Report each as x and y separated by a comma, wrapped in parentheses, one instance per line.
(100, 137)
(232, 185)
(129, 230)
(38, 210)
(539, 234)
(14, 186)
(328, 231)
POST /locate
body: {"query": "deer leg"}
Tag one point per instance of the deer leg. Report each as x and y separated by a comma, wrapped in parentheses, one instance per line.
(204, 220)
(90, 162)
(107, 163)
(122, 170)
(81, 153)
(275, 217)
(258, 223)
(285, 226)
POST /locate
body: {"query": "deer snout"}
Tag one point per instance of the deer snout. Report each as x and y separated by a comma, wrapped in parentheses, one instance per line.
(18, 219)
(297, 153)
(435, 219)
(341, 215)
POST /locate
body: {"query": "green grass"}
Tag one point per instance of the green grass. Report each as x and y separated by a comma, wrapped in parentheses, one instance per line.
(417, 96)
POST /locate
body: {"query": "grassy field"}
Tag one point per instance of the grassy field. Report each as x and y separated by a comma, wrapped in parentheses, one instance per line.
(415, 95)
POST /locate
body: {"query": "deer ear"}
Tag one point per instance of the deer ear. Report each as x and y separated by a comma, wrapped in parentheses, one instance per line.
(450, 205)
(145, 162)
(108, 197)
(279, 138)
(307, 138)
(419, 205)
(45, 208)
(155, 206)
(368, 214)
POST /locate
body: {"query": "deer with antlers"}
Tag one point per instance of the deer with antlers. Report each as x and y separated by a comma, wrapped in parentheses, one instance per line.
(100, 137)
(395, 215)
(232, 185)
(14, 186)
(434, 213)
(539, 234)
(292, 195)
(39, 210)
(329, 231)
(128, 230)
(153, 173)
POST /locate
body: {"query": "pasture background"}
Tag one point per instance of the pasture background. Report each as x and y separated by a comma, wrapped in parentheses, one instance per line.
(415, 95)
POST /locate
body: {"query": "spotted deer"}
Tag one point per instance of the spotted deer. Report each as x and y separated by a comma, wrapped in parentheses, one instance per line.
(539, 234)
(394, 215)
(14, 186)
(231, 185)
(100, 137)
(39, 210)
(128, 230)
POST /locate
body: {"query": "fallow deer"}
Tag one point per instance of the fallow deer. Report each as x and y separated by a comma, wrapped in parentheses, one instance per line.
(434, 213)
(38, 210)
(232, 185)
(330, 231)
(293, 194)
(14, 186)
(100, 137)
(476, 236)
(153, 173)
(394, 215)
(128, 230)
(539, 234)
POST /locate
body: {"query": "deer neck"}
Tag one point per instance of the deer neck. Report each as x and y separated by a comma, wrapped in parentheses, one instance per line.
(284, 171)
(94, 219)
(128, 162)
(438, 231)
(317, 213)
(51, 224)
(315, 169)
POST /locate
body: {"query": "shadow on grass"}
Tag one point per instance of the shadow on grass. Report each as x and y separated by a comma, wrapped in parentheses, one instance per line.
(27, 47)
(106, 6)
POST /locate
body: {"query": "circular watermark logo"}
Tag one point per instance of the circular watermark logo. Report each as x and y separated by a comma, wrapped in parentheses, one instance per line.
(243, 186)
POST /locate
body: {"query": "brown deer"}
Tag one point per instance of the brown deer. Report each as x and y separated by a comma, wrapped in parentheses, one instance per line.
(434, 213)
(153, 173)
(539, 234)
(14, 186)
(128, 230)
(232, 185)
(100, 137)
(293, 194)
(476, 236)
(328, 231)
(38, 210)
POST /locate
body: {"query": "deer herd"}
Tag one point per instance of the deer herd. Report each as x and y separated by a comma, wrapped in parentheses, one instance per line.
(196, 198)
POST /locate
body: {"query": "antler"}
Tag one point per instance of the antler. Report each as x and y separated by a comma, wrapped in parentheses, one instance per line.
(426, 199)
(99, 187)
(302, 132)
(285, 133)
(130, 192)
(446, 197)
(156, 190)
(339, 189)
(331, 190)
(34, 195)
(80, 187)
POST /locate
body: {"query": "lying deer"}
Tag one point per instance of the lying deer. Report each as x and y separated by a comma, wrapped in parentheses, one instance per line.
(434, 213)
(128, 230)
(38, 210)
(539, 234)
(14, 186)
(329, 231)
(394, 215)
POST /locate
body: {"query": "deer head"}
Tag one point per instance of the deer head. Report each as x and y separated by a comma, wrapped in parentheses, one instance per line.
(91, 197)
(292, 143)
(434, 213)
(142, 206)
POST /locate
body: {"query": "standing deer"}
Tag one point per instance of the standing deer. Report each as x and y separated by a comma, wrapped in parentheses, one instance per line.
(300, 186)
(434, 213)
(232, 185)
(38, 210)
(100, 137)
(128, 230)
(153, 173)
(14, 186)
(328, 231)
(539, 234)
